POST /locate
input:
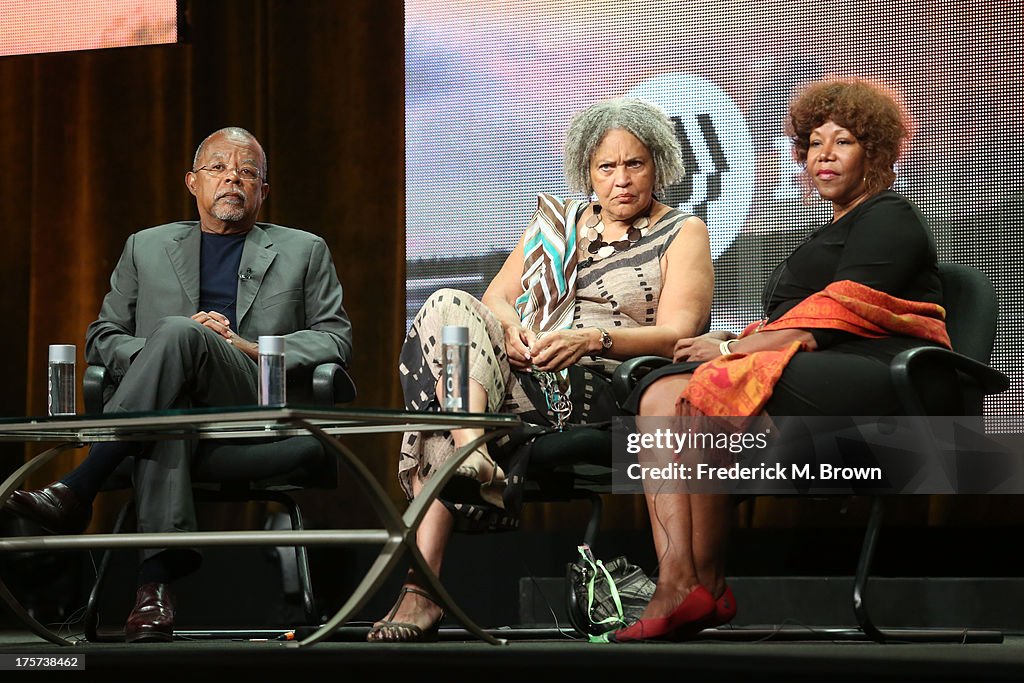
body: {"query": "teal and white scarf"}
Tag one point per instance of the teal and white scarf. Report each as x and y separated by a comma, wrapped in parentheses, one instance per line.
(548, 301)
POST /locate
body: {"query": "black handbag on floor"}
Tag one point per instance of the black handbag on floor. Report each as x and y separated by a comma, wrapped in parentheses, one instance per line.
(605, 596)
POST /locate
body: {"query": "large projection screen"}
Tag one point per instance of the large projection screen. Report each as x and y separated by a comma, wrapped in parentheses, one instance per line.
(491, 85)
(33, 26)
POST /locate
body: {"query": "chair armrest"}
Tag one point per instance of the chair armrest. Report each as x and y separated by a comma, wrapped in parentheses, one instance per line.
(332, 384)
(987, 379)
(95, 383)
(632, 371)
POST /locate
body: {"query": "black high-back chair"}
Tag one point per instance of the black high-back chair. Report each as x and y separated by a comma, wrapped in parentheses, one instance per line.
(940, 382)
(576, 464)
(249, 470)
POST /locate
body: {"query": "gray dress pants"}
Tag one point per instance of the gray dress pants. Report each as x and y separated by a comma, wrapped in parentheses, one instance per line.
(182, 365)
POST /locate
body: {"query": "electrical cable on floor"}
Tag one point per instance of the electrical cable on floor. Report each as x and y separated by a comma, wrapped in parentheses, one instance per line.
(72, 619)
(780, 627)
(571, 635)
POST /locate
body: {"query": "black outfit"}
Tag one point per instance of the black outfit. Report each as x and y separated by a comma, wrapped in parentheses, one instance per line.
(883, 243)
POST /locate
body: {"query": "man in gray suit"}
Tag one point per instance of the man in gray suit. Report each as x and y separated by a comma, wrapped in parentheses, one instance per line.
(178, 328)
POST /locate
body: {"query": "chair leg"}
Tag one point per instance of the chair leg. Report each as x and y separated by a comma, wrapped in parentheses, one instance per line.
(301, 555)
(295, 517)
(92, 618)
(918, 635)
(594, 523)
(302, 562)
(867, 553)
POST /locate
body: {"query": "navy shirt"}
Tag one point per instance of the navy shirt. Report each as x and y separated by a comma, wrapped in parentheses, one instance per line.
(219, 259)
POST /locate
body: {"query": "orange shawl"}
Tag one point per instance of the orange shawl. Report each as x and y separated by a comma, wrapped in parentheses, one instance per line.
(740, 384)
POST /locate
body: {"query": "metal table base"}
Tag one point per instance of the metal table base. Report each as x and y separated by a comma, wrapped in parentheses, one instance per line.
(398, 535)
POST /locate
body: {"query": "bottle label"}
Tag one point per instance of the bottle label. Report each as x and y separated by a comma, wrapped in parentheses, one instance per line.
(272, 389)
(456, 381)
(60, 389)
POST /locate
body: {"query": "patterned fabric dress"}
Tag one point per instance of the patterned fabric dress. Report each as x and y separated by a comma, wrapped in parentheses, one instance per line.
(619, 292)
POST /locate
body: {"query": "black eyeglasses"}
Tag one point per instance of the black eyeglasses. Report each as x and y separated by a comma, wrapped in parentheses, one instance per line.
(247, 173)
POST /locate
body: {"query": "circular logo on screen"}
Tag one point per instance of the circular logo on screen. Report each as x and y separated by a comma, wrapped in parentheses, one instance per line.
(718, 153)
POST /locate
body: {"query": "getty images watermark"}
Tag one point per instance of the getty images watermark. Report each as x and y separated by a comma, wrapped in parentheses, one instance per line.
(667, 440)
(816, 455)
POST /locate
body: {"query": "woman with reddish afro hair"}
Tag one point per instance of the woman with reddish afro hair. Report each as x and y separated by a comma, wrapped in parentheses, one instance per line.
(823, 347)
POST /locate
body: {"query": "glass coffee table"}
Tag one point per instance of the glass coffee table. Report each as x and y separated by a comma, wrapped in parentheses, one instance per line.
(397, 534)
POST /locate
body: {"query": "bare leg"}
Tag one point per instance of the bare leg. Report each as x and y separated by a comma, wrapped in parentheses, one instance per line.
(659, 400)
(432, 538)
(479, 463)
(477, 404)
(712, 515)
(671, 526)
(689, 530)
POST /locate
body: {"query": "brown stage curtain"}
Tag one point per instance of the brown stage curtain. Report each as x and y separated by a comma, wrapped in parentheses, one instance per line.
(95, 145)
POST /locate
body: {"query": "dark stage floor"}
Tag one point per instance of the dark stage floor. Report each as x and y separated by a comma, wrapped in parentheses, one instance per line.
(498, 590)
(547, 659)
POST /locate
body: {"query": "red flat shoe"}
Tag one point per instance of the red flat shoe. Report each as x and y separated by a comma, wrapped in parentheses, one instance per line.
(688, 618)
(725, 609)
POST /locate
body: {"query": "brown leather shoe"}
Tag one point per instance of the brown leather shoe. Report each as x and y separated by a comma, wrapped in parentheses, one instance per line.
(56, 508)
(152, 618)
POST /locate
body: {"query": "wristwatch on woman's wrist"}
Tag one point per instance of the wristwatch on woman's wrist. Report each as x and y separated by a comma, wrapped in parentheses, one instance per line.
(606, 341)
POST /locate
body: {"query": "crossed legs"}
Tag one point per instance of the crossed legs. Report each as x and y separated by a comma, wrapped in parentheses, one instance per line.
(182, 363)
(416, 614)
(690, 530)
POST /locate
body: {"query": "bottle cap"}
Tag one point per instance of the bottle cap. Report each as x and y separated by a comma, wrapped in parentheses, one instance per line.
(454, 334)
(271, 345)
(62, 353)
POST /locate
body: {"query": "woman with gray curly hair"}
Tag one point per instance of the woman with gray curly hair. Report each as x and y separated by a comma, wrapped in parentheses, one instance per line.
(642, 120)
(591, 282)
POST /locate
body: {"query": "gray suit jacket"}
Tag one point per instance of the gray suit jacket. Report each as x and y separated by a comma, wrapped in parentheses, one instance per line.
(287, 286)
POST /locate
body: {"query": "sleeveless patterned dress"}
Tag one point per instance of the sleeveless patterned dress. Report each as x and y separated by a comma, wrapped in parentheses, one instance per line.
(618, 292)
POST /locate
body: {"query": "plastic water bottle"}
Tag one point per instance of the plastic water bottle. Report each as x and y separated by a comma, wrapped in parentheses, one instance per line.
(455, 353)
(272, 374)
(60, 380)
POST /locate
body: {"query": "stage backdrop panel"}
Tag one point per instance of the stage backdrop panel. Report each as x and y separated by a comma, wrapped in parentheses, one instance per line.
(30, 26)
(492, 84)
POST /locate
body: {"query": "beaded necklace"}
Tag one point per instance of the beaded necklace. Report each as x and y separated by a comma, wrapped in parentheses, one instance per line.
(593, 232)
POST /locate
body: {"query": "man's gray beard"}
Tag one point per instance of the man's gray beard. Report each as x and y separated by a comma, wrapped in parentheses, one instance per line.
(228, 213)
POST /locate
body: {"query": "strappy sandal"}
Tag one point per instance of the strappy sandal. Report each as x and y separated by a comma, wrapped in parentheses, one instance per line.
(471, 482)
(388, 631)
